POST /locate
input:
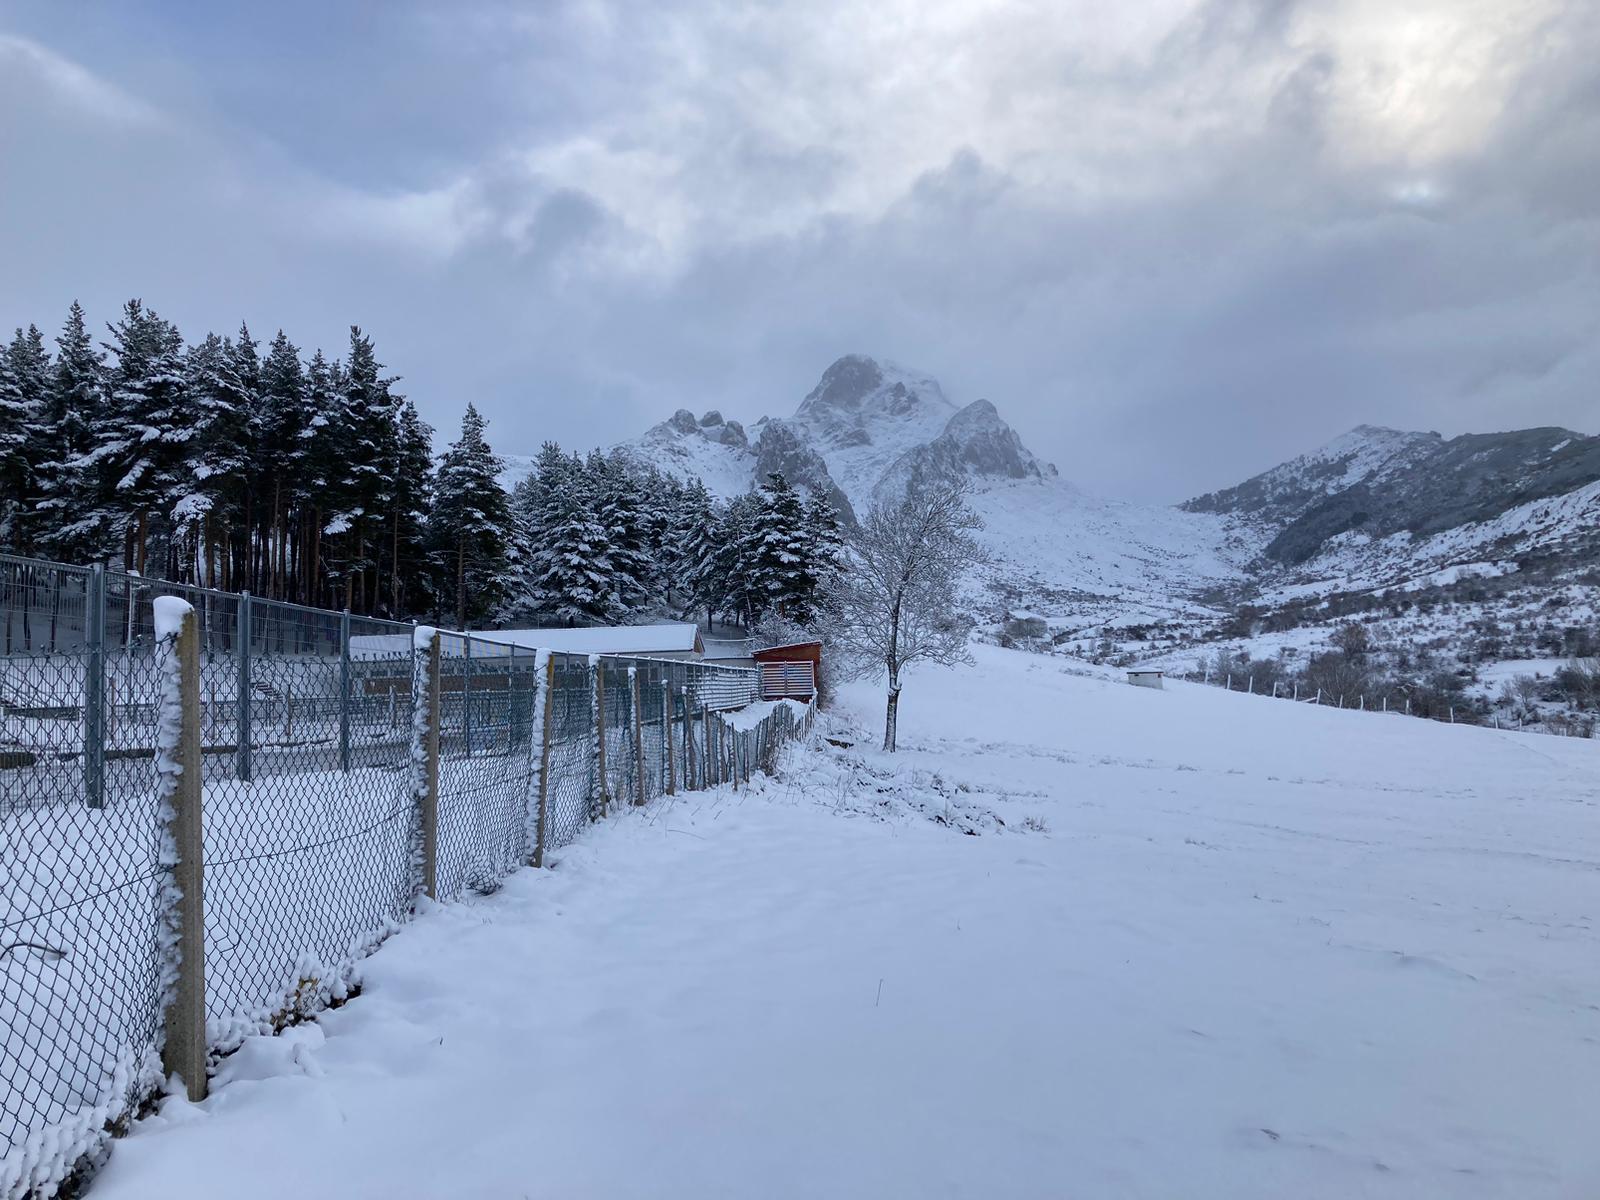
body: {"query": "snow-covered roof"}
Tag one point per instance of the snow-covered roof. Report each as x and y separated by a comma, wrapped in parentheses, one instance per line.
(597, 639)
(603, 639)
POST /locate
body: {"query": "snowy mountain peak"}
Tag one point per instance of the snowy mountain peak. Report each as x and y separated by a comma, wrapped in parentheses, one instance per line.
(975, 441)
(858, 386)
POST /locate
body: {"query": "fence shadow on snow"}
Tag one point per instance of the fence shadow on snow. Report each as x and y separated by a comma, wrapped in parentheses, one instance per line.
(339, 768)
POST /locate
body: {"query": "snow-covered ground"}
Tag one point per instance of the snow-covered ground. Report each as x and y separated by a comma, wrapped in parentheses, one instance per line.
(1076, 939)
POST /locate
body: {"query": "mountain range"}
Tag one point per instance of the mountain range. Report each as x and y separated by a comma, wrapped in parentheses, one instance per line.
(1375, 508)
(1495, 527)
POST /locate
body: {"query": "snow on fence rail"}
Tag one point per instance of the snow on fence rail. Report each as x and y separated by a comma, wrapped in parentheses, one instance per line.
(336, 787)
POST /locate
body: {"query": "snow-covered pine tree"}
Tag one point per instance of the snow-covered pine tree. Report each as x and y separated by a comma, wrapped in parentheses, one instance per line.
(24, 387)
(732, 587)
(618, 508)
(323, 445)
(778, 558)
(250, 549)
(67, 486)
(412, 569)
(825, 548)
(531, 517)
(283, 433)
(366, 433)
(141, 444)
(471, 524)
(696, 540)
(212, 514)
(571, 567)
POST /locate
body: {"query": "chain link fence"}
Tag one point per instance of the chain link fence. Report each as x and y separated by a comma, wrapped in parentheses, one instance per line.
(319, 735)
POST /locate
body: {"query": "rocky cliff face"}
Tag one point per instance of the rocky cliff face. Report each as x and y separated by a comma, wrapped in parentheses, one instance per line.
(975, 442)
(866, 428)
(1382, 482)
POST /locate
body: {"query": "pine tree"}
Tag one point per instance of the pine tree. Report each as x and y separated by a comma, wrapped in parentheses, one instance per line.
(619, 511)
(68, 486)
(24, 387)
(250, 539)
(472, 528)
(141, 444)
(570, 564)
(532, 517)
(283, 429)
(219, 459)
(697, 530)
(365, 434)
(414, 483)
(778, 560)
(729, 584)
(824, 549)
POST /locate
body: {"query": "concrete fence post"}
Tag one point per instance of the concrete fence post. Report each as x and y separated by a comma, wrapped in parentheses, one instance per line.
(666, 737)
(597, 673)
(548, 683)
(638, 735)
(425, 747)
(183, 1051)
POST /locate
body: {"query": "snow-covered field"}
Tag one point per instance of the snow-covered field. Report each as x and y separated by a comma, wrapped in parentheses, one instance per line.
(1077, 939)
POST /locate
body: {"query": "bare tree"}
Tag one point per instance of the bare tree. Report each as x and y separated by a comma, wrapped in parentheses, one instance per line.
(893, 604)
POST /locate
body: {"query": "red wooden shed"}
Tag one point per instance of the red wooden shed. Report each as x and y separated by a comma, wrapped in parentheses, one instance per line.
(789, 672)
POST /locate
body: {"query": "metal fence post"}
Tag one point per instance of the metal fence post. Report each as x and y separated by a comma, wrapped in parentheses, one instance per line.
(597, 675)
(666, 736)
(344, 690)
(94, 692)
(548, 683)
(466, 692)
(242, 762)
(178, 765)
(428, 792)
(638, 735)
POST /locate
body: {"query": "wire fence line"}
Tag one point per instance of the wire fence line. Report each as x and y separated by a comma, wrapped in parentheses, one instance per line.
(345, 767)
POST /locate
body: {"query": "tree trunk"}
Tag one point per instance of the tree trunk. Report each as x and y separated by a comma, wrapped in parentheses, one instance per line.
(892, 716)
(144, 535)
(394, 568)
(461, 583)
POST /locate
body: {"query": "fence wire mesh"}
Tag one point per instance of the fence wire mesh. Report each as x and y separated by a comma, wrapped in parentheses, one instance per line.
(309, 732)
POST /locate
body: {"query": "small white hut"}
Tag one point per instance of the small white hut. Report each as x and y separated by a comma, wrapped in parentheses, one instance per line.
(1145, 677)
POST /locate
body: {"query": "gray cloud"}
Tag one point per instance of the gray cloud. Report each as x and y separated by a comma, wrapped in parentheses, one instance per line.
(1173, 245)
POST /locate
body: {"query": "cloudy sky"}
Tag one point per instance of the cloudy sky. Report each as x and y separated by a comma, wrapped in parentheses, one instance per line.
(1174, 242)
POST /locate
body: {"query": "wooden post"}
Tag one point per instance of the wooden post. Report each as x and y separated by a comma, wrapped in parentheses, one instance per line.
(599, 670)
(710, 779)
(430, 793)
(691, 774)
(549, 685)
(713, 759)
(638, 736)
(178, 767)
(666, 737)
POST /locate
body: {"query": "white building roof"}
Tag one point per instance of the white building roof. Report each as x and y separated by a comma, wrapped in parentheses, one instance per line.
(643, 640)
(602, 639)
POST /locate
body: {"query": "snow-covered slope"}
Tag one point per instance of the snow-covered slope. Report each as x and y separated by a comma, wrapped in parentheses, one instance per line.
(1197, 944)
